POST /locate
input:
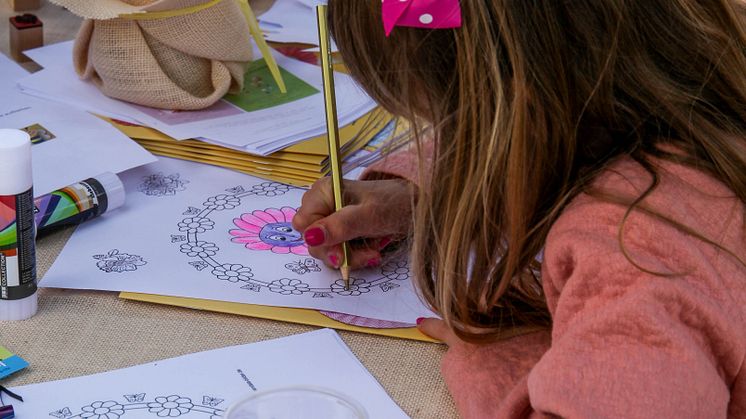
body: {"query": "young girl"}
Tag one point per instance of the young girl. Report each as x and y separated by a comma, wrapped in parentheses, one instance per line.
(604, 140)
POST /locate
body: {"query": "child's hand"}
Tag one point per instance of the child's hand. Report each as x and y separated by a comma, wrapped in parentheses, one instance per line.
(438, 329)
(375, 212)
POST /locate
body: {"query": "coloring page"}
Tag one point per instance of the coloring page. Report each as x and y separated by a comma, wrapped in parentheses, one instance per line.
(205, 384)
(199, 231)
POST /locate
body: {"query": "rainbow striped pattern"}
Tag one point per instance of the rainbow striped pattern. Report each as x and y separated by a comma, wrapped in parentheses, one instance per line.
(7, 222)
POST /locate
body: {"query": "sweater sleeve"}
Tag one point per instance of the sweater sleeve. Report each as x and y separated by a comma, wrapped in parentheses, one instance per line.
(628, 343)
(479, 376)
(407, 163)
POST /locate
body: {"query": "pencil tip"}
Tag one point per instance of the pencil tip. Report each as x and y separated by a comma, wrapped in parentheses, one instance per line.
(345, 270)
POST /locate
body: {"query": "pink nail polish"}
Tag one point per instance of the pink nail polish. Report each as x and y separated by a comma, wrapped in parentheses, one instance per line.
(334, 260)
(372, 263)
(420, 320)
(384, 242)
(314, 236)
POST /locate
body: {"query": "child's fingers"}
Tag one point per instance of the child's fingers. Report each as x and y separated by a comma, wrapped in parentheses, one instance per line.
(323, 254)
(366, 257)
(360, 257)
(437, 329)
(344, 225)
(317, 203)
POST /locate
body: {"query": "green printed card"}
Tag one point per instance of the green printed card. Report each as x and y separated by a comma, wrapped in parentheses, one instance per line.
(261, 92)
(10, 363)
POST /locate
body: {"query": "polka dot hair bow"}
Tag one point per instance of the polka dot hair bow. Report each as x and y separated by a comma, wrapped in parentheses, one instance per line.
(437, 14)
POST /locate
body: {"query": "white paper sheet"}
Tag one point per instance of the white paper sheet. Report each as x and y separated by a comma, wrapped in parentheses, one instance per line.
(260, 132)
(205, 384)
(193, 230)
(71, 145)
(292, 21)
(11, 72)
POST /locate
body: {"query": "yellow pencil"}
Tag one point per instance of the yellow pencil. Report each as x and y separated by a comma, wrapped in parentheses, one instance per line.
(332, 128)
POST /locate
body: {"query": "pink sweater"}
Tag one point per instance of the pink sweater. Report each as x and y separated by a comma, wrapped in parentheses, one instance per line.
(625, 343)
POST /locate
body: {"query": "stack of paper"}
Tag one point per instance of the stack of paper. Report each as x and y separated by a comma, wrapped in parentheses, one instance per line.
(260, 120)
(68, 145)
(300, 165)
(260, 131)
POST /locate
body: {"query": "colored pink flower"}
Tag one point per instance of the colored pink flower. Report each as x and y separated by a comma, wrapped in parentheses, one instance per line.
(269, 229)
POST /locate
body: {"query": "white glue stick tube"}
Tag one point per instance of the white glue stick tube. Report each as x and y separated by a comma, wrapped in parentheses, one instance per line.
(18, 299)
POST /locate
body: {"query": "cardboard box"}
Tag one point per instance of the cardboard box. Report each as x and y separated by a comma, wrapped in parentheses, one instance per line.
(26, 32)
(24, 5)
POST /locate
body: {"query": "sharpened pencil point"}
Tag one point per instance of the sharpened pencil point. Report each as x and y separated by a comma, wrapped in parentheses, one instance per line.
(346, 276)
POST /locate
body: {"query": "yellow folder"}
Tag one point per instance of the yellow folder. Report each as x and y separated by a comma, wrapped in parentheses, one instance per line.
(291, 315)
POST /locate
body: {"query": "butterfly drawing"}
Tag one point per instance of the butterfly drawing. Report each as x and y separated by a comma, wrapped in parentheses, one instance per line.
(62, 413)
(211, 401)
(303, 267)
(135, 398)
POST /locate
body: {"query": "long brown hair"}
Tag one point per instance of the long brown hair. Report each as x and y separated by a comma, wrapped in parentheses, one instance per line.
(528, 102)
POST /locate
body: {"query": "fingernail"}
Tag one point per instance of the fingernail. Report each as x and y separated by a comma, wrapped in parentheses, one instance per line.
(372, 263)
(334, 260)
(384, 242)
(314, 236)
(420, 320)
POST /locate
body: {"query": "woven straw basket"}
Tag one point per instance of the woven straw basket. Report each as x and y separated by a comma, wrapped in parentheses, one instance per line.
(184, 62)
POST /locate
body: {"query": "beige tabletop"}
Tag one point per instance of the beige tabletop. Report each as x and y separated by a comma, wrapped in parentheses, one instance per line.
(79, 333)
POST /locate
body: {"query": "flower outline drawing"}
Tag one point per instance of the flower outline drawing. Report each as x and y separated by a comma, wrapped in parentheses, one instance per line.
(115, 261)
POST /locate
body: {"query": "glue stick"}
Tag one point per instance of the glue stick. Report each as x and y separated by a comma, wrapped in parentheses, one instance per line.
(78, 202)
(17, 227)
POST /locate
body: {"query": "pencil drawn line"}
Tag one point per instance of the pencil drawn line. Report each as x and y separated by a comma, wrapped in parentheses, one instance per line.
(173, 405)
(116, 261)
(160, 185)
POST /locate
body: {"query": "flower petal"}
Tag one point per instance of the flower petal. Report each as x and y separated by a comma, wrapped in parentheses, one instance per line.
(281, 250)
(242, 233)
(246, 240)
(252, 219)
(289, 213)
(259, 246)
(268, 218)
(277, 214)
(246, 225)
(299, 250)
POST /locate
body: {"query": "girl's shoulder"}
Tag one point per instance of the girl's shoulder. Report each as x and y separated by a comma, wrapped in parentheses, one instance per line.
(684, 200)
(646, 299)
(690, 227)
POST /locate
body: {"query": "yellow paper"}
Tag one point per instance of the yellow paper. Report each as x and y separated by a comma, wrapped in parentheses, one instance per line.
(315, 146)
(279, 156)
(274, 176)
(216, 158)
(290, 315)
(300, 176)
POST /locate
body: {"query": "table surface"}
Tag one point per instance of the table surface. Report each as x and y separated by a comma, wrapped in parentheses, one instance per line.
(79, 333)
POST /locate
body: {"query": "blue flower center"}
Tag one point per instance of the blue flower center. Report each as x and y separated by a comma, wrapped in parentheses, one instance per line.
(280, 234)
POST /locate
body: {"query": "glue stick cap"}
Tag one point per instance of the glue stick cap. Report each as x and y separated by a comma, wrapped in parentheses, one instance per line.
(114, 190)
(15, 162)
(14, 310)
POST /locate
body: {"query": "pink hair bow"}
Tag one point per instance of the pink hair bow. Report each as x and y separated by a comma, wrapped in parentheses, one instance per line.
(438, 14)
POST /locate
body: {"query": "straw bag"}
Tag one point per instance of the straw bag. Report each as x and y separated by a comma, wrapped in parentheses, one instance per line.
(169, 54)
